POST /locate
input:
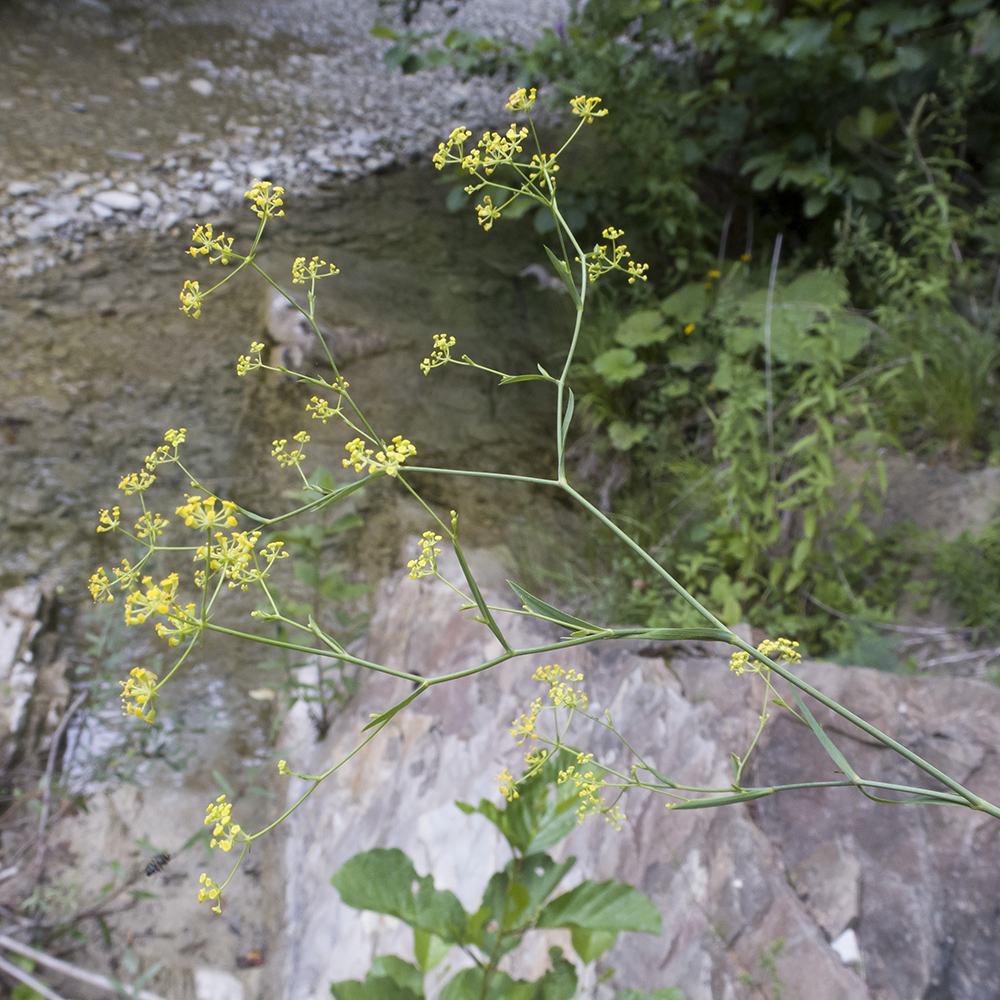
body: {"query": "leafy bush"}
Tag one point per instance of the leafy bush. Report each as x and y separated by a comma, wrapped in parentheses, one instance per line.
(518, 899)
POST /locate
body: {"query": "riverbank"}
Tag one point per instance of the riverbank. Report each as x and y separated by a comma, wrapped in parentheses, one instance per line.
(120, 116)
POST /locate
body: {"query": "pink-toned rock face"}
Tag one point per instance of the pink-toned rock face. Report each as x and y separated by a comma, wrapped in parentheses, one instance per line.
(916, 884)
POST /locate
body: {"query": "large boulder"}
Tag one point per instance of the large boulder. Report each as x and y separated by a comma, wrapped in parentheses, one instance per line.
(748, 895)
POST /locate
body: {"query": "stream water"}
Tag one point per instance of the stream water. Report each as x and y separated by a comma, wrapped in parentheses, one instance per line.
(98, 361)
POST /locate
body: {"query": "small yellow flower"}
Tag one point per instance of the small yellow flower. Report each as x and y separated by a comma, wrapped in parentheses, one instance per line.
(426, 562)
(521, 100)
(191, 297)
(137, 694)
(210, 891)
(487, 212)
(387, 461)
(302, 271)
(109, 520)
(225, 831)
(136, 482)
(507, 785)
(167, 452)
(584, 107)
(715, 274)
(266, 199)
(287, 459)
(100, 586)
(441, 354)
(689, 328)
(250, 362)
(198, 513)
(745, 257)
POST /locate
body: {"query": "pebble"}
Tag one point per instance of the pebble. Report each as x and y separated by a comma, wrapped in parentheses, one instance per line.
(18, 189)
(120, 201)
(201, 86)
(150, 82)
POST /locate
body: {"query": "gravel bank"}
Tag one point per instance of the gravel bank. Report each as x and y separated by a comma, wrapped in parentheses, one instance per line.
(156, 115)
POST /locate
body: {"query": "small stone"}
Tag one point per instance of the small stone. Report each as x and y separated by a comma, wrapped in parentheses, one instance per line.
(150, 82)
(201, 86)
(206, 204)
(120, 201)
(18, 189)
(151, 200)
(846, 947)
(101, 211)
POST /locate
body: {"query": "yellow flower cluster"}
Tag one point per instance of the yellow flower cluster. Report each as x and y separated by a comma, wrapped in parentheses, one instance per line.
(303, 271)
(191, 297)
(136, 482)
(207, 243)
(138, 692)
(251, 362)
(210, 890)
(782, 650)
(508, 786)
(521, 99)
(225, 831)
(167, 452)
(183, 624)
(156, 600)
(387, 461)
(109, 520)
(266, 199)
(585, 108)
(100, 586)
(600, 262)
(426, 562)
(588, 786)
(440, 355)
(286, 459)
(198, 513)
(524, 727)
(235, 557)
(562, 694)
(320, 409)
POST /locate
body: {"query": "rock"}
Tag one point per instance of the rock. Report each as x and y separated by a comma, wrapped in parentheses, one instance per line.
(206, 205)
(201, 86)
(20, 610)
(119, 201)
(925, 924)
(150, 82)
(214, 984)
(18, 189)
(295, 343)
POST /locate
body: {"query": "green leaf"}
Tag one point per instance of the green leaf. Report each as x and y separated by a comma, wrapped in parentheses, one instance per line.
(385, 881)
(688, 304)
(559, 982)
(838, 758)
(624, 436)
(568, 416)
(428, 949)
(402, 973)
(643, 328)
(469, 984)
(543, 813)
(618, 365)
(603, 906)
(516, 895)
(669, 993)
(567, 279)
(511, 379)
(373, 988)
(539, 608)
(590, 945)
